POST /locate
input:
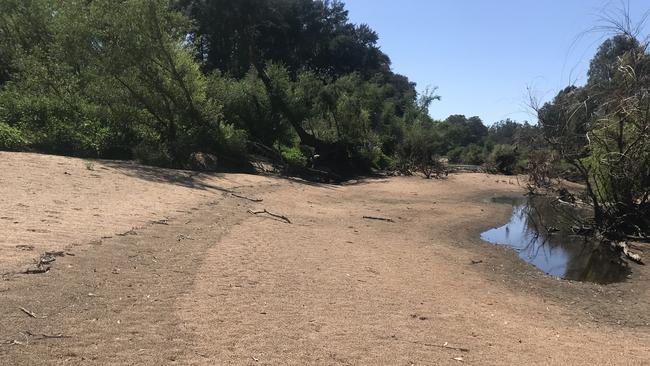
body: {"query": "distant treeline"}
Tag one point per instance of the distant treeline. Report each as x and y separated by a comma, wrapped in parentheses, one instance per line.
(158, 80)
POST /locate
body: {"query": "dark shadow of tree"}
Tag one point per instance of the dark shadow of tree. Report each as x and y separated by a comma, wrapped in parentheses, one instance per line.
(183, 178)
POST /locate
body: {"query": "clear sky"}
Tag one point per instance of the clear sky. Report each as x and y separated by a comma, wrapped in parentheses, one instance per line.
(482, 54)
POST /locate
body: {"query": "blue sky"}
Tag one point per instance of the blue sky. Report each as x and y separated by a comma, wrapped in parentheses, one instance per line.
(482, 55)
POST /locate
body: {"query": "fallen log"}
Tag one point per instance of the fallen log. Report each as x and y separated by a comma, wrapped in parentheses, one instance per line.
(625, 249)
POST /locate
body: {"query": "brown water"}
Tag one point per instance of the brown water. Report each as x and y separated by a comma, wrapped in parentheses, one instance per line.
(539, 230)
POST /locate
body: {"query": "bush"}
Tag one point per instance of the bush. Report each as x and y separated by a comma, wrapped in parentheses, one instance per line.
(455, 155)
(233, 141)
(387, 163)
(11, 139)
(504, 158)
(473, 155)
(293, 156)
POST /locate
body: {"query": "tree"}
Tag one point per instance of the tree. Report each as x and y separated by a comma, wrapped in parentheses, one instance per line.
(603, 129)
(299, 34)
(97, 77)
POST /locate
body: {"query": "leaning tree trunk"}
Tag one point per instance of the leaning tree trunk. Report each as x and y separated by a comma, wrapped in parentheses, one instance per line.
(332, 154)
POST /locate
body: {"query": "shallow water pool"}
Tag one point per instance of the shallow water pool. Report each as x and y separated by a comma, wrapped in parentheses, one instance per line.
(539, 230)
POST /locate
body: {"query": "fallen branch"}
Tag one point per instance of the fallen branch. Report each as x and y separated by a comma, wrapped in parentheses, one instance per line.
(47, 336)
(378, 218)
(627, 252)
(247, 198)
(643, 239)
(31, 313)
(281, 217)
(37, 270)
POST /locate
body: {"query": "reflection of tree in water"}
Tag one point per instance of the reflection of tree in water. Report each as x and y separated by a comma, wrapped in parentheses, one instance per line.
(547, 241)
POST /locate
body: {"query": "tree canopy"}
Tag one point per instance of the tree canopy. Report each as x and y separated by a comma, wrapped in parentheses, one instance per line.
(159, 80)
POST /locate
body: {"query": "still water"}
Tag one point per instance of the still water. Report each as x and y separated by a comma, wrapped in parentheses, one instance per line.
(539, 230)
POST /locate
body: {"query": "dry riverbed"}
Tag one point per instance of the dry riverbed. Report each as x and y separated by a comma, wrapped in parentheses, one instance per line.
(170, 267)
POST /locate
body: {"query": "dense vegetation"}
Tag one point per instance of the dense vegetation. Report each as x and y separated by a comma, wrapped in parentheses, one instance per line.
(602, 131)
(158, 80)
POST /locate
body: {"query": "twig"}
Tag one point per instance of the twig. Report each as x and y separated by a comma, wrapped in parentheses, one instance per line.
(130, 232)
(281, 217)
(461, 349)
(30, 313)
(247, 198)
(378, 218)
(47, 336)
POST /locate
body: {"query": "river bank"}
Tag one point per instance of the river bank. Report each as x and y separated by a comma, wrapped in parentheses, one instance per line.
(177, 270)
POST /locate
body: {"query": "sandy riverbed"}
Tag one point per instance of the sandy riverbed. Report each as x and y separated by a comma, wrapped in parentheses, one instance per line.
(212, 284)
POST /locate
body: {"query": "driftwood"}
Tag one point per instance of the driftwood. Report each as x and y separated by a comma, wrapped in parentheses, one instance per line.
(281, 217)
(378, 218)
(625, 249)
(246, 198)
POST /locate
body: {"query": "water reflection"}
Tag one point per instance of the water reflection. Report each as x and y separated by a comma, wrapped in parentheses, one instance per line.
(539, 230)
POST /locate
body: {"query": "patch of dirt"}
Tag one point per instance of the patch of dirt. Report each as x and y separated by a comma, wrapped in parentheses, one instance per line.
(203, 281)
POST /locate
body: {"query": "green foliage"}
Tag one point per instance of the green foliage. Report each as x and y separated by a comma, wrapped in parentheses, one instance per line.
(246, 105)
(300, 34)
(293, 156)
(602, 130)
(109, 79)
(138, 79)
(421, 148)
(504, 158)
(11, 138)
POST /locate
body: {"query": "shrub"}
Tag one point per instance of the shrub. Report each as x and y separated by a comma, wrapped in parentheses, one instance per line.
(293, 156)
(504, 158)
(11, 138)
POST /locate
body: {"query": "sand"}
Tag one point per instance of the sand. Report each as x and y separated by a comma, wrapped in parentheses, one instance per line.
(175, 270)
